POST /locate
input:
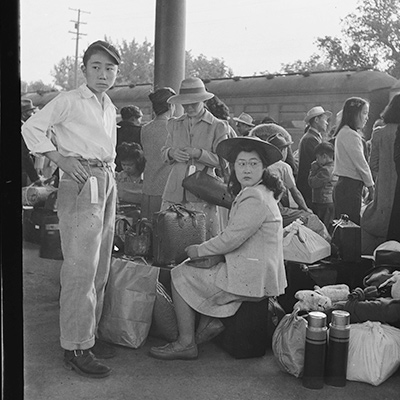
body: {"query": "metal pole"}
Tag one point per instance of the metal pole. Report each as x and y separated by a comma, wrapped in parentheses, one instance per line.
(169, 46)
(76, 49)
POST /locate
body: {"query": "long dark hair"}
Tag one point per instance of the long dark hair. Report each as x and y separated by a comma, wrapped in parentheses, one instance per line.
(270, 181)
(351, 109)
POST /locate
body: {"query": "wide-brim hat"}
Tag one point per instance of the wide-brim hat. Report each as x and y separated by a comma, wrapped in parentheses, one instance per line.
(244, 119)
(192, 90)
(315, 112)
(387, 254)
(27, 105)
(228, 148)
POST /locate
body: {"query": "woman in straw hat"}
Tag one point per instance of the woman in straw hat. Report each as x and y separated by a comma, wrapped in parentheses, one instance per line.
(252, 266)
(190, 146)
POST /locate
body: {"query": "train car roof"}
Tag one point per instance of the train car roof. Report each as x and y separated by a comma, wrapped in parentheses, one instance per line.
(130, 94)
(343, 81)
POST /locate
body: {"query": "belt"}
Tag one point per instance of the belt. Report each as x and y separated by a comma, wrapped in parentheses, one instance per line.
(94, 163)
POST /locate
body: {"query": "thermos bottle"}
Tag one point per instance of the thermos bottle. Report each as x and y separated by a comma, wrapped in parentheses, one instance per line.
(315, 351)
(338, 348)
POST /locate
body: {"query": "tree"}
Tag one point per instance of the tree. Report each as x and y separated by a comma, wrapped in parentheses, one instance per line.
(204, 68)
(64, 73)
(137, 66)
(37, 86)
(370, 39)
(315, 63)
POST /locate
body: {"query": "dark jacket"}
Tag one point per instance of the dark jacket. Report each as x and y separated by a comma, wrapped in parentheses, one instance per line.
(128, 132)
(321, 181)
(306, 156)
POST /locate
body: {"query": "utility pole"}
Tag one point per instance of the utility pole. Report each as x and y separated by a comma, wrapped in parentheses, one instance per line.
(78, 35)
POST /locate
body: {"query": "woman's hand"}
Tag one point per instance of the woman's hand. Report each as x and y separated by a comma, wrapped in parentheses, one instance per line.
(192, 250)
(180, 155)
(193, 152)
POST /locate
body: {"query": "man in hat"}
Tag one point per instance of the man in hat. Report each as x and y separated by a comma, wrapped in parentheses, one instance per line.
(316, 126)
(84, 122)
(27, 163)
(244, 123)
(280, 138)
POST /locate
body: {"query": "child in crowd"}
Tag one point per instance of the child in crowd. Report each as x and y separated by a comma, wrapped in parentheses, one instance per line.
(130, 179)
(322, 181)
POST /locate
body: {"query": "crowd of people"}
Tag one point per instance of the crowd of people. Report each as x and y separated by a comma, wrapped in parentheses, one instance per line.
(101, 164)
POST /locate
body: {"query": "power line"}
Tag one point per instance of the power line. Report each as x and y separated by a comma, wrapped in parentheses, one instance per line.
(78, 36)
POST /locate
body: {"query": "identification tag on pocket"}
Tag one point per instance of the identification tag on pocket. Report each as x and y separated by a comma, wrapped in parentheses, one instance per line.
(192, 169)
(94, 190)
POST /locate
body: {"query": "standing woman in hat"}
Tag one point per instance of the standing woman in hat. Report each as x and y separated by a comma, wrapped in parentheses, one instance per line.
(351, 165)
(153, 137)
(191, 145)
(252, 267)
(317, 124)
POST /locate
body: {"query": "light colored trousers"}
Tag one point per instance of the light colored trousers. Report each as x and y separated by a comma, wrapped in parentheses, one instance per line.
(87, 233)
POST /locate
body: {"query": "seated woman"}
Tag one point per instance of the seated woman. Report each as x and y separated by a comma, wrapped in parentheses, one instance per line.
(251, 243)
(129, 180)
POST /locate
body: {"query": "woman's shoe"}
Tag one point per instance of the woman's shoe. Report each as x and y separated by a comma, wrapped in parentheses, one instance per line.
(170, 352)
(211, 330)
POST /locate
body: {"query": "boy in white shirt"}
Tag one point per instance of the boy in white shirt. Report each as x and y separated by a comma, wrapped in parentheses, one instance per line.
(84, 122)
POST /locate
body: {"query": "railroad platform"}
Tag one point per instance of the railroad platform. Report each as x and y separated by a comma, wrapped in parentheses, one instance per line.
(136, 376)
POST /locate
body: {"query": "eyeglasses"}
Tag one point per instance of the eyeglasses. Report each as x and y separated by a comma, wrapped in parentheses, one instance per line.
(251, 164)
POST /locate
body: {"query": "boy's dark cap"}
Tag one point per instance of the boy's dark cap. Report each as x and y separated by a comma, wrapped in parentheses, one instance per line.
(324, 148)
(109, 48)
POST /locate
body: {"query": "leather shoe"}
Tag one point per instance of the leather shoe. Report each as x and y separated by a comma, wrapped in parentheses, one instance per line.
(103, 350)
(210, 331)
(171, 352)
(85, 363)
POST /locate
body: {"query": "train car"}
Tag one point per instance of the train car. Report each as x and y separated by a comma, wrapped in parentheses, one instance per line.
(287, 98)
(284, 97)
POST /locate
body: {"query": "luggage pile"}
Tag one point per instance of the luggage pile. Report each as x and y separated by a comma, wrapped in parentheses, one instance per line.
(163, 240)
(40, 221)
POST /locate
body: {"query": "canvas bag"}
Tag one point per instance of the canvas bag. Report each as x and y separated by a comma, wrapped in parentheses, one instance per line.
(128, 302)
(289, 342)
(374, 352)
(301, 244)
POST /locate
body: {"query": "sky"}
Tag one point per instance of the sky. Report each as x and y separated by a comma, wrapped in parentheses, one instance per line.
(251, 36)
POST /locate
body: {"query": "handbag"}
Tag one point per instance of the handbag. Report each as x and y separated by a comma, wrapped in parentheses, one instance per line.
(208, 188)
(128, 302)
(138, 239)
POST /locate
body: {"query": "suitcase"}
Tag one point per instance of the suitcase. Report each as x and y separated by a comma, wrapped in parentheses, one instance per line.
(32, 222)
(346, 236)
(249, 332)
(173, 230)
(50, 242)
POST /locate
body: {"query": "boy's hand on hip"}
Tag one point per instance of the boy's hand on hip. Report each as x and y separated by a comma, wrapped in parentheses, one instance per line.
(74, 168)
